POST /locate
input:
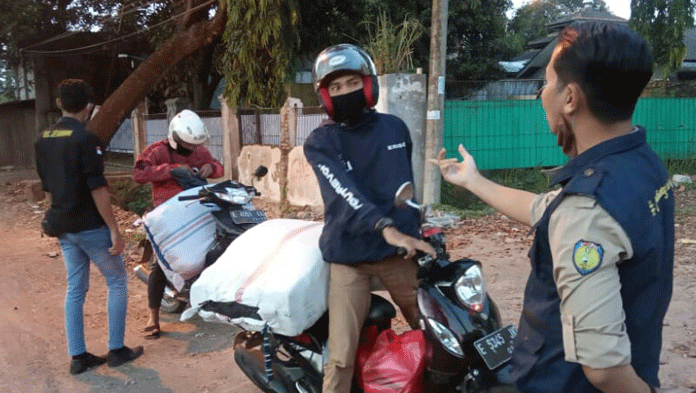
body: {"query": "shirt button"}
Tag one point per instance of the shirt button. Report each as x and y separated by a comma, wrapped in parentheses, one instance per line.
(589, 172)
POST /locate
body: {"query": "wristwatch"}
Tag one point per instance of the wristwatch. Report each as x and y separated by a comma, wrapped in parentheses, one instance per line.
(382, 223)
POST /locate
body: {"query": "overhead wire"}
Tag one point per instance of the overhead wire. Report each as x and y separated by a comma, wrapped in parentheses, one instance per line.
(113, 17)
(133, 8)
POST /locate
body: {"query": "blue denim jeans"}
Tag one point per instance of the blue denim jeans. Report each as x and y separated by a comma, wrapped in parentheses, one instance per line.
(78, 249)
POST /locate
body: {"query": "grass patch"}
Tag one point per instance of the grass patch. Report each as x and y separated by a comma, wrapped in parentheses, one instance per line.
(459, 201)
(681, 167)
(131, 196)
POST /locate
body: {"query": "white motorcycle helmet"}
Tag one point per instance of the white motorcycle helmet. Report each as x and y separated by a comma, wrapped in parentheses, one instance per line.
(187, 127)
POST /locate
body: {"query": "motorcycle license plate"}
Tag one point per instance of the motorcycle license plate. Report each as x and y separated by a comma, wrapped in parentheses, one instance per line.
(496, 348)
(248, 216)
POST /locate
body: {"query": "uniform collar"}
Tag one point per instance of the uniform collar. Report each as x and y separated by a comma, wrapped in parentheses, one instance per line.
(596, 153)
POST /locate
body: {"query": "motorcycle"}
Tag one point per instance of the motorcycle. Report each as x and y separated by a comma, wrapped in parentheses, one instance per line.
(469, 348)
(234, 216)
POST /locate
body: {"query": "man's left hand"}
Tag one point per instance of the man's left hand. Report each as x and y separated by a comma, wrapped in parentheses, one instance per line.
(205, 171)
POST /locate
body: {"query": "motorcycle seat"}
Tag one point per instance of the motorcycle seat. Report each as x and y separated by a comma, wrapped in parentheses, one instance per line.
(381, 312)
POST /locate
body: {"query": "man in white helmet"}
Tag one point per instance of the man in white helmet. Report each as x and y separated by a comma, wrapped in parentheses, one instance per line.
(360, 159)
(162, 164)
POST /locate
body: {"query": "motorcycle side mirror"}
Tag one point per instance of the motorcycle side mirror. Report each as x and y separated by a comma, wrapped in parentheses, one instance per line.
(404, 196)
(260, 172)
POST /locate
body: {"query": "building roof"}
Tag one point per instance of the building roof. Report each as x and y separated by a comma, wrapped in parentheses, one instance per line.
(583, 15)
(534, 69)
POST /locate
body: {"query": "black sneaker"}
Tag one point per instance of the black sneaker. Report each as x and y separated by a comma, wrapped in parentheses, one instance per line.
(84, 362)
(117, 357)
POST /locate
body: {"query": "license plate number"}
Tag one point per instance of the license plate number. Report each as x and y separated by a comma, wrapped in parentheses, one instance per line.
(248, 216)
(496, 348)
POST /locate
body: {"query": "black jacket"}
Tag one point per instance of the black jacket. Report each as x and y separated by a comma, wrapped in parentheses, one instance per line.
(70, 164)
(359, 169)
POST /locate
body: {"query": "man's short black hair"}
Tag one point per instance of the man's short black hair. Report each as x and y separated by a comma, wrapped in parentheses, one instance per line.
(611, 63)
(74, 95)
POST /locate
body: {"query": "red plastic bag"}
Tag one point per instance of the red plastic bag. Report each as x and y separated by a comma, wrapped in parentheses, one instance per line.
(394, 364)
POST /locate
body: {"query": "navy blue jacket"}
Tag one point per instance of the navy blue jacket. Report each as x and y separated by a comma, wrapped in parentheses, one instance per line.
(630, 182)
(359, 169)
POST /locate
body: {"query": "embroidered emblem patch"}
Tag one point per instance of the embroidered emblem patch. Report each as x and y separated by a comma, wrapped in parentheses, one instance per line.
(587, 256)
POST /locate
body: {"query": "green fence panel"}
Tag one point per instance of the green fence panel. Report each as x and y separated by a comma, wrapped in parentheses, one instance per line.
(515, 134)
(670, 125)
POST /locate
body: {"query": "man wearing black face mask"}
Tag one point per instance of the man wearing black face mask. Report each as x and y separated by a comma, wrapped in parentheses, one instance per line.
(360, 159)
(171, 165)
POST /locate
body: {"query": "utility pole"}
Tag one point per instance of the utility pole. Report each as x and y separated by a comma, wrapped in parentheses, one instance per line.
(436, 100)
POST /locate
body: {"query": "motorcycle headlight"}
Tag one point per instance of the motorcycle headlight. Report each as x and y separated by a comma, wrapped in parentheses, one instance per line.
(238, 196)
(470, 288)
(446, 338)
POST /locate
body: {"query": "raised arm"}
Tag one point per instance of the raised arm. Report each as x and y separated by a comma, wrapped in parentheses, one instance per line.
(511, 202)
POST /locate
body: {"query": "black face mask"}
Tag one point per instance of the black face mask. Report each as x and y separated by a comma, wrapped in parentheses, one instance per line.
(348, 108)
(182, 150)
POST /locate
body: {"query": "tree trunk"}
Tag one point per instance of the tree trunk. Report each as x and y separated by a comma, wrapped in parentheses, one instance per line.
(134, 89)
(205, 78)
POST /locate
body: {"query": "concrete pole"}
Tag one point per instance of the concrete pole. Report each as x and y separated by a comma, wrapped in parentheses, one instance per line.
(436, 100)
(139, 126)
(231, 140)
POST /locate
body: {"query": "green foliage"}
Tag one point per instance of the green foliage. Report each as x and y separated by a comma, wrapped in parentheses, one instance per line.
(476, 39)
(529, 21)
(323, 23)
(529, 179)
(391, 45)
(7, 84)
(662, 23)
(132, 196)
(681, 167)
(260, 41)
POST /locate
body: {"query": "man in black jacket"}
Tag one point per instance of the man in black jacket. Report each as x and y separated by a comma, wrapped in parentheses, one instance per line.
(70, 164)
(360, 160)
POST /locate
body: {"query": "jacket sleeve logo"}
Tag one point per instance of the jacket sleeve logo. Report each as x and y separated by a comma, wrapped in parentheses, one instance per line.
(587, 257)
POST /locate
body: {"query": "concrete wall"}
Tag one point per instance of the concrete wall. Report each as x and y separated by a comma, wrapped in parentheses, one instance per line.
(303, 189)
(405, 96)
(402, 95)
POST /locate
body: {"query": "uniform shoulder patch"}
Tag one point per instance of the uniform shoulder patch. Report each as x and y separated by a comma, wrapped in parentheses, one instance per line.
(587, 256)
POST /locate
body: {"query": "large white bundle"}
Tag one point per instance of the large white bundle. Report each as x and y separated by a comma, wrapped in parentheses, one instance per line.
(181, 233)
(274, 271)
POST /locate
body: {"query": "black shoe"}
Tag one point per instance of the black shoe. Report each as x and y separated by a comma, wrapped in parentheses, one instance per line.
(84, 362)
(117, 357)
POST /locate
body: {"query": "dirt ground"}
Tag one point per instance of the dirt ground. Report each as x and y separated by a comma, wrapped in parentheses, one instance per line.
(195, 356)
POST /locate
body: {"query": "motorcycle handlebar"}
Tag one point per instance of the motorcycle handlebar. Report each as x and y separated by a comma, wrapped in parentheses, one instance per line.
(188, 197)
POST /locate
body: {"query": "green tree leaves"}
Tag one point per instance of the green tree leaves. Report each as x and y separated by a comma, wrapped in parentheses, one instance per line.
(662, 23)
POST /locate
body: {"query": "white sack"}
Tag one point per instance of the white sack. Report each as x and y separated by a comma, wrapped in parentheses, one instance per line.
(275, 266)
(181, 233)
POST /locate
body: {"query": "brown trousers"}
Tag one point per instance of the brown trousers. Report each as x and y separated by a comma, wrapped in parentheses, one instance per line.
(349, 303)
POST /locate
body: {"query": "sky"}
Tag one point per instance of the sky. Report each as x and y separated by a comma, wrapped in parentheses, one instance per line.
(620, 8)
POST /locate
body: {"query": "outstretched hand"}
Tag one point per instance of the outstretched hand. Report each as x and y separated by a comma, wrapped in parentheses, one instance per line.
(454, 171)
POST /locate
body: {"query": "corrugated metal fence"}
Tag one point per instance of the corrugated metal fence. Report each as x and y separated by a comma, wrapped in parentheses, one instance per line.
(17, 133)
(515, 134)
(257, 126)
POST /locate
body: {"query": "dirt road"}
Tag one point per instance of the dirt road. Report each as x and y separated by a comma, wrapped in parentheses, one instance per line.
(197, 356)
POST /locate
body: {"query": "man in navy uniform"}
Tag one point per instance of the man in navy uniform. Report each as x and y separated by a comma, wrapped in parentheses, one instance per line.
(602, 258)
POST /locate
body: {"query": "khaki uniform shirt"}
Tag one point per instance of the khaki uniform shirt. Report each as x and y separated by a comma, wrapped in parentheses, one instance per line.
(592, 314)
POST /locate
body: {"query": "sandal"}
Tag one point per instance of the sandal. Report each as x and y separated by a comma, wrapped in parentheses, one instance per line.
(151, 333)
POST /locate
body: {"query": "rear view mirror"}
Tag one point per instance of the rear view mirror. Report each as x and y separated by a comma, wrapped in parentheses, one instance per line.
(404, 194)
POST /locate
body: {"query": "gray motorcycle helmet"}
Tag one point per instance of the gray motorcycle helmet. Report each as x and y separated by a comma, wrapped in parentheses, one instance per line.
(340, 59)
